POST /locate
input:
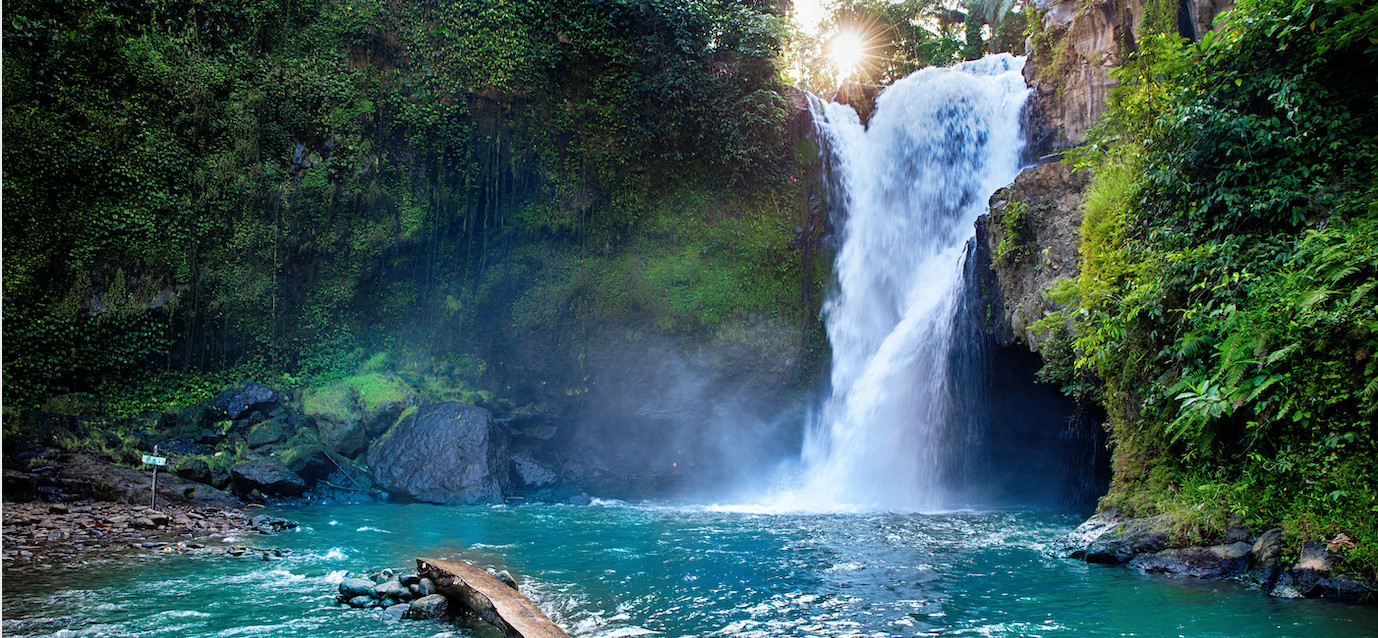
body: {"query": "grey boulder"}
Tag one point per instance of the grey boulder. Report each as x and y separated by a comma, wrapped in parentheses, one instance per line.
(426, 607)
(447, 453)
(269, 476)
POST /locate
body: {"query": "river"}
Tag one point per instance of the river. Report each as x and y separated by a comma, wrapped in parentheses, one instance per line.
(616, 570)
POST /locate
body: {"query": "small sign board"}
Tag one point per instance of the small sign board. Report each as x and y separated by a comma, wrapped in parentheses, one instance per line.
(155, 460)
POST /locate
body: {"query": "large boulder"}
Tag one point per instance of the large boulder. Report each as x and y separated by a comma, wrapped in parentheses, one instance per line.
(349, 413)
(1109, 538)
(267, 433)
(1137, 536)
(269, 476)
(449, 453)
(305, 458)
(1219, 561)
(239, 402)
(428, 607)
(196, 468)
(530, 473)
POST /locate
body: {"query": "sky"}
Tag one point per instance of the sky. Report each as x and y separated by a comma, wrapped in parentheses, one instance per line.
(808, 13)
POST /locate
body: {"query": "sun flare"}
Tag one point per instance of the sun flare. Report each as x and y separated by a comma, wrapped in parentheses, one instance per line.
(848, 50)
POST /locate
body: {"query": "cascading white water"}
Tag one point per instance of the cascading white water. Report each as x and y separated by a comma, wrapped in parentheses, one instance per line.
(939, 144)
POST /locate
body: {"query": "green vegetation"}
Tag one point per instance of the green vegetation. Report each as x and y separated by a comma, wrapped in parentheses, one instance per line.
(202, 192)
(1017, 239)
(1228, 299)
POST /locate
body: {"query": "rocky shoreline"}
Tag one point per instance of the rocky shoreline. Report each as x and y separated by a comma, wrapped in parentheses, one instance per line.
(1110, 538)
(42, 536)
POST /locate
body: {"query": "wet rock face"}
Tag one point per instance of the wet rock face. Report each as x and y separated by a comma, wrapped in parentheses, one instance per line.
(530, 473)
(1037, 220)
(346, 437)
(861, 97)
(238, 403)
(1218, 561)
(1144, 544)
(1082, 42)
(1070, 70)
(1200, 16)
(448, 453)
(269, 476)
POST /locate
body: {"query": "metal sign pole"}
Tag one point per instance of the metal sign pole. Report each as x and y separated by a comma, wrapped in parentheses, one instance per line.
(153, 498)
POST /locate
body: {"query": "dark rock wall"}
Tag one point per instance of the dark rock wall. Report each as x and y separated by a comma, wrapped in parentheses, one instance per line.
(1040, 250)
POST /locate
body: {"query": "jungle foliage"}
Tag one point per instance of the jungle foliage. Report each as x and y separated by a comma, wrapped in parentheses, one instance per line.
(1228, 298)
(282, 189)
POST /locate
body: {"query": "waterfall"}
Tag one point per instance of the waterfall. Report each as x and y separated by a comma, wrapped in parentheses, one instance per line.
(912, 184)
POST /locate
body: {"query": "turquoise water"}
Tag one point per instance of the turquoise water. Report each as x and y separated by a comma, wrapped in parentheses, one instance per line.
(615, 571)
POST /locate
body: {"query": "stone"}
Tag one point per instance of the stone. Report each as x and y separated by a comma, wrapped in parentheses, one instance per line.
(861, 97)
(1311, 575)
(1074, 544)
(267, 433)
(240, 402)
(193, 469)
(1017, 289)
(352, 587)
(391, 590)
(1129, 539)
(529, 473)
(19, 486)
(1201, 15)
(310, 461)
(197, 417)
(505, 577)
(428, 607)
(1220, 561)
(350, 413)
(110, 482)
(509, 610)
(425, 587)
(360, 602)
(1265, 559)
(348, 438)
(409, 578)
(394, 613)
(268, 476)
(446, 453)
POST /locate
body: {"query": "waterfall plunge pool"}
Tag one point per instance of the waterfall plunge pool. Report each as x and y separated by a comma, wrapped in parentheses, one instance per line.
(616, 570)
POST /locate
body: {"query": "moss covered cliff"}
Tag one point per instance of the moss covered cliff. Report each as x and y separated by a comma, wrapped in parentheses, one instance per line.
(201, 191)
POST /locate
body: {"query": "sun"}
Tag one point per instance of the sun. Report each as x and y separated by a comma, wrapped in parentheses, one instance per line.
(848, 50)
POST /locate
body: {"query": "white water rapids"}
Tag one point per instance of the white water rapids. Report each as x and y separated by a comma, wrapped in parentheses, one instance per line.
(939, 144)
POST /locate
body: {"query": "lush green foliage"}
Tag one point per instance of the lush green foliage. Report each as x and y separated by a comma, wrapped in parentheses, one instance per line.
(1228, 298)
(282, 188)
(1016, 241)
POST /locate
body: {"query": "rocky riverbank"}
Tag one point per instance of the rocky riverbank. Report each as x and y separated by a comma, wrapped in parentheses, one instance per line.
(1261, 559)
(44, 536)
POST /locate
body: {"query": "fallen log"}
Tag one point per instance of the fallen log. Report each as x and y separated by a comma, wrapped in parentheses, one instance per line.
(505, 608)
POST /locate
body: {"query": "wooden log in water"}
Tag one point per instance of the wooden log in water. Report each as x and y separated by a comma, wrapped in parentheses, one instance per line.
(495, 602)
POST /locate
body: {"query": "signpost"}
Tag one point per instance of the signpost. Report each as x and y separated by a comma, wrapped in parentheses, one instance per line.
(156, 461)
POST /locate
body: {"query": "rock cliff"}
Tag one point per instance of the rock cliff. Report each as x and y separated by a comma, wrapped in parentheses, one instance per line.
(1032, 233)
(1032, 236)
